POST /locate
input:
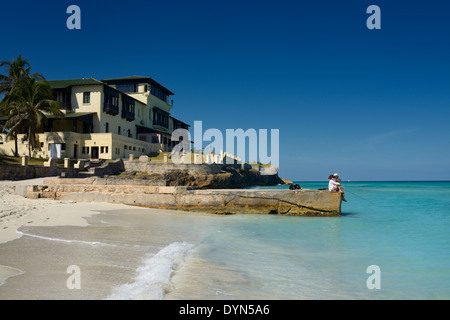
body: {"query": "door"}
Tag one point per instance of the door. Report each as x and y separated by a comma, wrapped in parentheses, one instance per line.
(75, 151)
(94, 153)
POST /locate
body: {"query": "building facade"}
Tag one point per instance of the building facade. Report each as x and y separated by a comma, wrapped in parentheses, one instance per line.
(107, 119)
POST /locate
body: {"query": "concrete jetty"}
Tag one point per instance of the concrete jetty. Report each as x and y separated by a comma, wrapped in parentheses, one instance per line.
(219, 201)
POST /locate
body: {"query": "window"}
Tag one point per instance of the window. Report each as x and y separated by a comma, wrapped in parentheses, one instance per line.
(159, 93)
(129, 134)
(128, 108)
(104, 149)
(111, 101)
(87, 97)
(155, 138)
(127, 87)
(107, 127)
(119, 130)
(160, 118)
(85, 150)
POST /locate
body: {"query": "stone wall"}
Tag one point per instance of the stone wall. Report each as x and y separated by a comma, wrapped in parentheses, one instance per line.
(219, 201)
(150, 167)
(203, 175)
(109, 168)
(18, 172)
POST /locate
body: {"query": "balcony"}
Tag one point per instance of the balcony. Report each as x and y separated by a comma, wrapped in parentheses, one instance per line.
(127, 115)
(110, 109)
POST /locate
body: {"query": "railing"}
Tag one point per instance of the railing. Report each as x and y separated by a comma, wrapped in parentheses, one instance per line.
(111, 109)
(129, 116)
(161, 124)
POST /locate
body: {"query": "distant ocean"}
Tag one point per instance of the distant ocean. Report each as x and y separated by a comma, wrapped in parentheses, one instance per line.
(401, 227)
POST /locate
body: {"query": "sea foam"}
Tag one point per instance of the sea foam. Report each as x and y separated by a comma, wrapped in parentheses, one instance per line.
(154, 276)
(64, 240)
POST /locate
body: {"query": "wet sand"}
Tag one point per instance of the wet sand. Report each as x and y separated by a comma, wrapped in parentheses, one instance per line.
(19, 212)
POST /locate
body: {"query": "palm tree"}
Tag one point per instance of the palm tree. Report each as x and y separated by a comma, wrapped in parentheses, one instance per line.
(29, 103)
(16, 70)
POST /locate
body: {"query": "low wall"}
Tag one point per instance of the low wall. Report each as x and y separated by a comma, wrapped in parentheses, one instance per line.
(150, 167)
(19, 172)
(109, 168)
(219, 201)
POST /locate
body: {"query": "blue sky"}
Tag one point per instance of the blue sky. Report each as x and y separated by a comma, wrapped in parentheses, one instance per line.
(369, 104)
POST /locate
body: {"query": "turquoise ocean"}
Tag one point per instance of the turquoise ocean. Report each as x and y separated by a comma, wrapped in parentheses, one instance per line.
(403, 228)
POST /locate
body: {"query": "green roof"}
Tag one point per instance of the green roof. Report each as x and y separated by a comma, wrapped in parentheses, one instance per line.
(129, 78)
(61, 84)
(66, 116)
(140, 78)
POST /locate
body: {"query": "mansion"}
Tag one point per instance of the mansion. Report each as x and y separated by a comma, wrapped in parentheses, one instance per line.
(104, 119)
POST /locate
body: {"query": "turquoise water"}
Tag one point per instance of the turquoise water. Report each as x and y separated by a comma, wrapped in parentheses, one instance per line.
(401, 227)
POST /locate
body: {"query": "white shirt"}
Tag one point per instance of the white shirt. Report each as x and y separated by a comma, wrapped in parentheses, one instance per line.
(331, 184)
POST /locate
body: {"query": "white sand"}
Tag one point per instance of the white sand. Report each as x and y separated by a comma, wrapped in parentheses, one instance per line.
(17, 211)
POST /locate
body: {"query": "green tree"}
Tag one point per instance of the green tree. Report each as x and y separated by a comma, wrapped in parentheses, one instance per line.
(15, 71)
(29, 104)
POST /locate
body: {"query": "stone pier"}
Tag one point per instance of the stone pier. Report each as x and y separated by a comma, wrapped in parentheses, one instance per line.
(219, 201)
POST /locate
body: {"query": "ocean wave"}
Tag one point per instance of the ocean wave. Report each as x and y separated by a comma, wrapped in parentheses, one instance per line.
(154, 276)
(17, 272)
(92, 243)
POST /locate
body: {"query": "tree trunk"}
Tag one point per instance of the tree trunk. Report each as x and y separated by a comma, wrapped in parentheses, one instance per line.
(29, 143)
(16, 152)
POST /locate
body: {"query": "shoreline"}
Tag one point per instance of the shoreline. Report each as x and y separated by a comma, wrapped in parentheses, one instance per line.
(17, 211)
(79, 235)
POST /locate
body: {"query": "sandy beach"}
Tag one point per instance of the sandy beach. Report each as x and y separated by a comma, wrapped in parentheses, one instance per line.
(17, 211)
(111, 243)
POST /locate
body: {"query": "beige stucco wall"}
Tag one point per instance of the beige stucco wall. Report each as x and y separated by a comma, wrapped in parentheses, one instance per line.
(150, 100)
(95, 105)
(113, 145)
(114, 142)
